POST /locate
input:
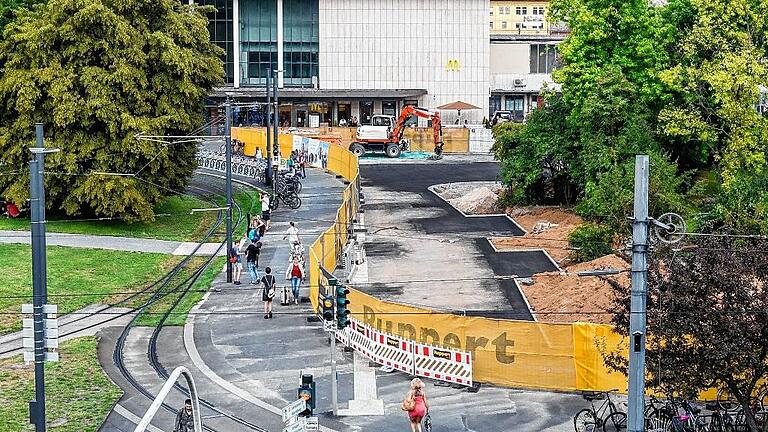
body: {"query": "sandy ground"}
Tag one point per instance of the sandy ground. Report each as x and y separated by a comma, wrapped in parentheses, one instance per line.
(548, 229)
(566, 297)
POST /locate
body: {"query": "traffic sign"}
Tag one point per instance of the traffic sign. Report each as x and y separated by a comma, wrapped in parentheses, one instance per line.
(294, 409)
(296, 426)
(311, 424)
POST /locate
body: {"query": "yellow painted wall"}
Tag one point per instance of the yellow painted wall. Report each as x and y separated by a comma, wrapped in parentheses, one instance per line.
(499, 16)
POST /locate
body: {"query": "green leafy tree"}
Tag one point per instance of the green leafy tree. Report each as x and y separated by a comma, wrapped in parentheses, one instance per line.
(96, 73)
(8, 9)
(721, 60)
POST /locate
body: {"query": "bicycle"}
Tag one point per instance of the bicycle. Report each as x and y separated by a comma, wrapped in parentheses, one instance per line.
(607, 417)
(291, 199)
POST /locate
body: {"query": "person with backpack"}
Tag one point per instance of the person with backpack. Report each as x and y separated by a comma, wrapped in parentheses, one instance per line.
(295, 273)
(415, 403)
(269, 282)
(252, 261)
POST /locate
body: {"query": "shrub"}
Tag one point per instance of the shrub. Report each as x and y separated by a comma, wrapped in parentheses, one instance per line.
(590, 241)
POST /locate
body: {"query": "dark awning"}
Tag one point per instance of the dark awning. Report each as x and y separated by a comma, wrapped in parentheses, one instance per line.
(309, 93)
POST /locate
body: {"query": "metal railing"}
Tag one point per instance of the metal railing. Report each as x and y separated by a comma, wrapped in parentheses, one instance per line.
(160, 398)
(241, 165)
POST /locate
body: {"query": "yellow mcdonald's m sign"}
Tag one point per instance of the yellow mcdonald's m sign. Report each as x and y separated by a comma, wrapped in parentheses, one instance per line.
(452, 66)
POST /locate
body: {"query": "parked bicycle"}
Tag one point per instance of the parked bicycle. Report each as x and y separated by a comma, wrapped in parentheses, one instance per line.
(607, 417)
(289, 198)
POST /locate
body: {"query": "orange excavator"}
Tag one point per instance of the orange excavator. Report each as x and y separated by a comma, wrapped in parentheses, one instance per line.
(386, 134)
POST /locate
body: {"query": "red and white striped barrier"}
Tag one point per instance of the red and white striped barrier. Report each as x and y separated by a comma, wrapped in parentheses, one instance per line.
(443, 364)
(405, 355)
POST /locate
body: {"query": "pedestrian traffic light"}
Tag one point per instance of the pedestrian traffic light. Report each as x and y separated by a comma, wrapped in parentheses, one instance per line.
(342, 311)
(306, 391)
(327, 305)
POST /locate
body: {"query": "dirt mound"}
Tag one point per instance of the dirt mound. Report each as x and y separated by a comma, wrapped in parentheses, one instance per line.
(557, 297)
(548, 229)
(475, 198)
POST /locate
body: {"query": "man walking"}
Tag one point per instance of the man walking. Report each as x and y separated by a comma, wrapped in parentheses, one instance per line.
(265, 210)
(252, 261)
(292, 234)
(185, 421)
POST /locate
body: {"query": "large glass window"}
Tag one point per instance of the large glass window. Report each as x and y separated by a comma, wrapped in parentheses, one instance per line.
(258, 40)
(515, 105)
(389, 108)
(543, 58)
(301, 41)
(366, 111)
(220, 29)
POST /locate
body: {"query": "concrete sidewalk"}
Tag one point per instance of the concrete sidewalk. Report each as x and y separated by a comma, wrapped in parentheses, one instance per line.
(113, 243)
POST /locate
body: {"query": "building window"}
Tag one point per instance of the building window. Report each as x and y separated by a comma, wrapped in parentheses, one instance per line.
(258, 41)
(506, 10)
(543, 58)
(220, 29)
(521, 10)
(538, 10)
(389, 108)
(518, 25)
(503, 24)
(366, 112)
(491, 11)
(301, 43)
(491, 25)
(515, 105)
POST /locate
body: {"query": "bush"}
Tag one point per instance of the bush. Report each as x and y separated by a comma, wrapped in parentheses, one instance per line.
(590, 241)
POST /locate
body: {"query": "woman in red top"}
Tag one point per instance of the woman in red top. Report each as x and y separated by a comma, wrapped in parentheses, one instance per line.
(295, 272)
(420, 405)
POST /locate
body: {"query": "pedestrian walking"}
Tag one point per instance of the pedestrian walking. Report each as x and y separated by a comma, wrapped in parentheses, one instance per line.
(292, 234)
(185, 421)
(302, 160)
(297, 251)
(237, 264)
(252, 261)
(265, 210)
(258, 225)
(415, 403)
(269, 282)
(295, 273)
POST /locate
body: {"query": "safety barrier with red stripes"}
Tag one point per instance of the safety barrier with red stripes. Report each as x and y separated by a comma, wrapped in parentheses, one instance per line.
(405, 355)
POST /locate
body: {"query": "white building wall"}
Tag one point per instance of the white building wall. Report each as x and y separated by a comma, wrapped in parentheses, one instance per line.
(407, 44)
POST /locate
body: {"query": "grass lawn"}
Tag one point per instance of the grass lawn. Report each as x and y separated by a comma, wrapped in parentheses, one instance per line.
(78, 393)
(179, 315)
(100, 273)
(179, 226)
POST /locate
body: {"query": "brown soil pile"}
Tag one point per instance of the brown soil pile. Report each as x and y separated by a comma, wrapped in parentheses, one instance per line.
(548, 229)
(556, 297)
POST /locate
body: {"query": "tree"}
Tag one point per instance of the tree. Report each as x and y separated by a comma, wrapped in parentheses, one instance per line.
(707, 321)
(96, 73)
(721, 60)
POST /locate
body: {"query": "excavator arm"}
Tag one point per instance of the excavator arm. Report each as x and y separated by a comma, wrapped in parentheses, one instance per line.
(397, 132)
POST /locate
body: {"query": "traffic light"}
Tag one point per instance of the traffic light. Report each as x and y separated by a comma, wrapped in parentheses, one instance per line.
(327, 305)
(306, 391)
(342, 311)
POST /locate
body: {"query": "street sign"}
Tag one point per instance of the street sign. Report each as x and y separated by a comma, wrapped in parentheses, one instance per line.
(294, 409)
(311, 424)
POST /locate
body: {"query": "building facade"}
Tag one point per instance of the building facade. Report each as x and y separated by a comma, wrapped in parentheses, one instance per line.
(345, 59)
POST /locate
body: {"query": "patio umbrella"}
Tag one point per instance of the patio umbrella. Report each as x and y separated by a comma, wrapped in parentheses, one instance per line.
(458, 106)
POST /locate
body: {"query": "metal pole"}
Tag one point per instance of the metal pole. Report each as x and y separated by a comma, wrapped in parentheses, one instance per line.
(268, 173)
(334, 383)
(39, 289)
(276, 135)
(228, 125)
(638, 303)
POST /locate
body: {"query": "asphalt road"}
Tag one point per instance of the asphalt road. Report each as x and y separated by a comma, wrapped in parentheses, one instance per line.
(400, 206)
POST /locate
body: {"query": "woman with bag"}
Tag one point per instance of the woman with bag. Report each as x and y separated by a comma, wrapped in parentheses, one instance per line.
(415, 403)
(295, 273)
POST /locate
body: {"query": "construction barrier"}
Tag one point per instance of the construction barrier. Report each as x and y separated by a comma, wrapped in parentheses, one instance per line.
(407, 356)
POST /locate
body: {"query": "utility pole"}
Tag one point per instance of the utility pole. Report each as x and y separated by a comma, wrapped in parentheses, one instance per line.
(228, 125)
(268, 173)
(276, 135)
(39, 274)
(637, 328)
